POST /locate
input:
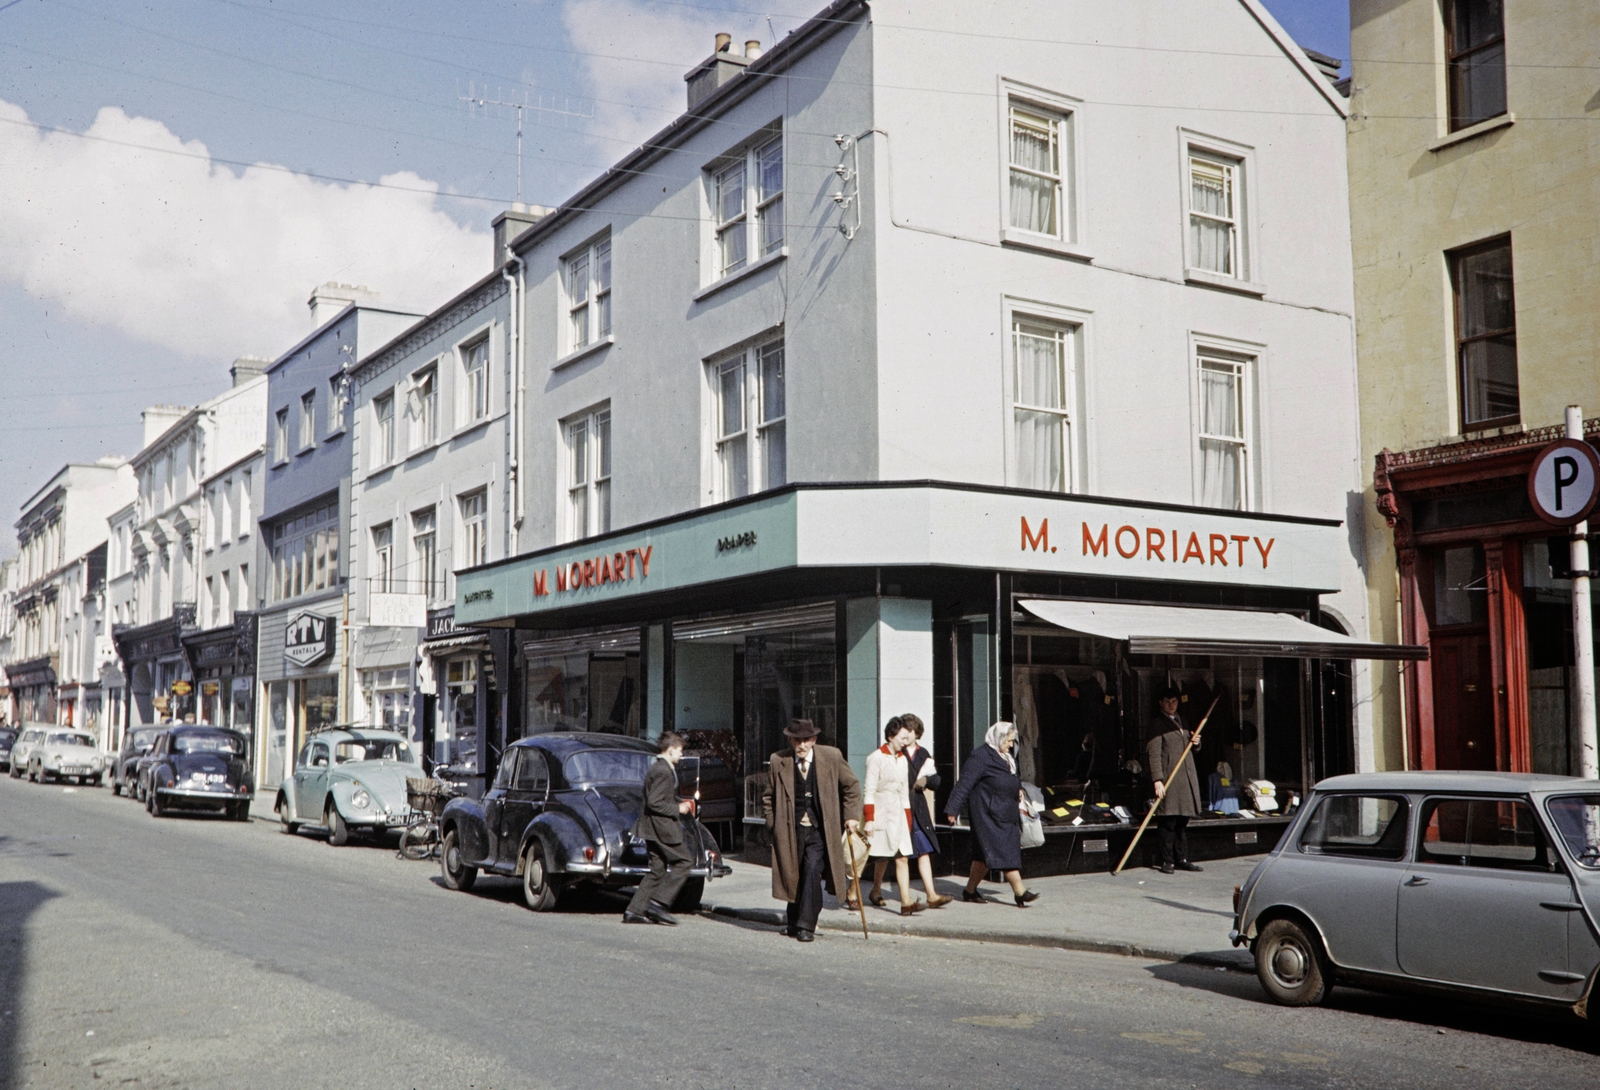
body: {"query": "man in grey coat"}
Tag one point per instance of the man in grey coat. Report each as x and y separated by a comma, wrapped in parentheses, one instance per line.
(662, 831)
(1177, 804)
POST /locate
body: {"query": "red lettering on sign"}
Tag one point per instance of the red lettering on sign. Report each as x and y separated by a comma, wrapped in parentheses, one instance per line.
(1127, 552)
(1241, 539)
(605, 569)
(1154, 542)
(561, 578)
(644, 560)
(1265, 549)
(1219, 549)
(1038, 541)
(540, 588)
(1174, 546)
(575, 575)
(616, 567)
(1095, 545)
(1194, 550)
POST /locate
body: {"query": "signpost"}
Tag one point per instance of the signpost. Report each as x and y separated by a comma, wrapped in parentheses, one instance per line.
(1563, 486)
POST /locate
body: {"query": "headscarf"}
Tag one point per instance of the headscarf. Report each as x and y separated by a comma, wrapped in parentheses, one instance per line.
(999, 731)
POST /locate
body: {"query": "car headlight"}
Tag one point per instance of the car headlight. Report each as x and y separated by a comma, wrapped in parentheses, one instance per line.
(361, 800)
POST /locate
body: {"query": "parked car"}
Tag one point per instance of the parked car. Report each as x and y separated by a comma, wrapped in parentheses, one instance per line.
(66, 755)
(136, 743)
(1481, 885)
(30, 736)
(141, 767)
(198, 768)
(349, 780)
(561, 813)
(7, 737)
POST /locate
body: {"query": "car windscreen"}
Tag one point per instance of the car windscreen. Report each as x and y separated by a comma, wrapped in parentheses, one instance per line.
(7, 737)
(207, 743)
(63, 738)
(607, 766)
(373, 749)
(142, 739)
(1577, 819)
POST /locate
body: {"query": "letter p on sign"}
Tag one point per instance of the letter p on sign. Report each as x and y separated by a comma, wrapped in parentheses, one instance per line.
(1564, 482)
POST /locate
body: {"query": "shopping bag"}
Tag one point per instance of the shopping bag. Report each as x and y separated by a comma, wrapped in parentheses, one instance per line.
(854, 849)
(1032, 831)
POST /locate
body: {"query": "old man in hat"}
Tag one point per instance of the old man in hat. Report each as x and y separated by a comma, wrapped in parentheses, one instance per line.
(1181, 801)
(810, 798)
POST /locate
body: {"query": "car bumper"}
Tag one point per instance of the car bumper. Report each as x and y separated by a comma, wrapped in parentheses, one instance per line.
(72, 770)
(629, 871)
(378, 821)
(203, 794)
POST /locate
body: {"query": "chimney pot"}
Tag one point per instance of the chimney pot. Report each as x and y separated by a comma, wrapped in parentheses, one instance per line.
(752, 49)
(723, 42)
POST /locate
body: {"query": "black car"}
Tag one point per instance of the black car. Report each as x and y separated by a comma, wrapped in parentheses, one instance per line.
(7, 736)
(198, 768)
(560, 814)
(125, 770)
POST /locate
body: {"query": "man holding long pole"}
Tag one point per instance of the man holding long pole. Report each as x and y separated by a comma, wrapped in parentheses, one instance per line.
(1180, 800)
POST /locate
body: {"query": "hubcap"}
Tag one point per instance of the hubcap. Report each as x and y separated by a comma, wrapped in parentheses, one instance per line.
(1289, 964)
(535, 872)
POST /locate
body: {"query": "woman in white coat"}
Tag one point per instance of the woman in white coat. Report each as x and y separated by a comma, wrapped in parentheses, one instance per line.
(887, 809)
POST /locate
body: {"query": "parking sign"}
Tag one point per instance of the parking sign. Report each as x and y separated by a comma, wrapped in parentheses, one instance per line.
(1564, 482)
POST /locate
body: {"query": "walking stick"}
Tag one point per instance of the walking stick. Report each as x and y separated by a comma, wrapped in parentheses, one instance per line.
(855, 875)
(1175, 770)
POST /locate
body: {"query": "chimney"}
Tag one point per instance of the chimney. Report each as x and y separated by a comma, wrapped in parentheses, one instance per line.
(158, 418)
(331, 298)
(509, 224)
(246, 368)
(752, 50)
(717, 69)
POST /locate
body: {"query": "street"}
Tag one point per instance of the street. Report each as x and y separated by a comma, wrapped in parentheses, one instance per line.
(190, 952)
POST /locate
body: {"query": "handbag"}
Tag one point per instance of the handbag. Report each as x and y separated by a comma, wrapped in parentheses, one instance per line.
(854, 849)
(1032, 831)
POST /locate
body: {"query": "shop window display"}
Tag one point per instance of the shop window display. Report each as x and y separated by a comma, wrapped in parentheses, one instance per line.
(388, 697)
(456, 736)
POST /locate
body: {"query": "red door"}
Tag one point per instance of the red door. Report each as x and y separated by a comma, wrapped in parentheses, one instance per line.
(1463, 708)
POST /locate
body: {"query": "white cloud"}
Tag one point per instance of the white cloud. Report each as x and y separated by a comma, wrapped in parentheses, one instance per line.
(626, 42)
(203, 258)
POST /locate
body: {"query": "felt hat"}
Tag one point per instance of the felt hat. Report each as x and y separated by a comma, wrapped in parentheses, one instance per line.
(801, 729)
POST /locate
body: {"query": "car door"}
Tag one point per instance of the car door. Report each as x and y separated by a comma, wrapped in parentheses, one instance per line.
(1575, 819)
(494, 802)
(529, 785)
(1483, 901)
(311, 782)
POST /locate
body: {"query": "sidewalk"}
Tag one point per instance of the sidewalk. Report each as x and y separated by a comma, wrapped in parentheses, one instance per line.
(1141, 913)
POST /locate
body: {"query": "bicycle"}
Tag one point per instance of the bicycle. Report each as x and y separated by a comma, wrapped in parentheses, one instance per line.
(426, 796)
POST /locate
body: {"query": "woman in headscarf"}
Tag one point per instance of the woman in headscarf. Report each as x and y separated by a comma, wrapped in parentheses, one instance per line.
(992, 794)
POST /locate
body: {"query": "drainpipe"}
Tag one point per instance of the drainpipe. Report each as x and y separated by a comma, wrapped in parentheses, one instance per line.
(516, 285)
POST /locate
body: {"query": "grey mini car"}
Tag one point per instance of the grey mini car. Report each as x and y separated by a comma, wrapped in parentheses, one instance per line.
(1482, 885)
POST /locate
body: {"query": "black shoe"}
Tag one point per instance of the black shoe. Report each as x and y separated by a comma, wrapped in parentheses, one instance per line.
(1025, 897)
(634, 917)
(974, 896)
(805, 936)
(1188, 866)
(658, 914)
(1166, 868)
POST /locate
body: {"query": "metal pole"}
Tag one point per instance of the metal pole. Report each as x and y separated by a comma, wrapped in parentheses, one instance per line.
(1582, 628)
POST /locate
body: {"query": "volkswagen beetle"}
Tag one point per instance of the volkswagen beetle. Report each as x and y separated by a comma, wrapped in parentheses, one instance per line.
(66, 755)
(1482, 885)
(198, 768)
(561, 813)
(349, 780)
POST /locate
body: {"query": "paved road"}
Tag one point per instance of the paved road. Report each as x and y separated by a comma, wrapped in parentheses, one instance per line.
(199, 953)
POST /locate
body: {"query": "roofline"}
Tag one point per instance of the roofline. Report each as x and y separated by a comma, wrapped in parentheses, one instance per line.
(55, 482)
(233, 465)
(376, 358)
(317, 332)
(1298, 55)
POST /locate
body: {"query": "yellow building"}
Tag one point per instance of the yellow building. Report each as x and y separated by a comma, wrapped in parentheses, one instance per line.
(1474, 157)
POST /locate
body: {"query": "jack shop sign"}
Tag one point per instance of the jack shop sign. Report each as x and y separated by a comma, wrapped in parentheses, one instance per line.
(918, 525)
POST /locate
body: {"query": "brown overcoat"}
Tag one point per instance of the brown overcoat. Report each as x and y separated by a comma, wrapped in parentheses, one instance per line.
(839, 799)
(1183, 797)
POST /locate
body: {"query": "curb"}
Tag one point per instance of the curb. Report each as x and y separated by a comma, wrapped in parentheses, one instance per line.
(1236, 960)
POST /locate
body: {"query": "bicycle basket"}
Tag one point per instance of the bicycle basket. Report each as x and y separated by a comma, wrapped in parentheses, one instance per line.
(428, 796)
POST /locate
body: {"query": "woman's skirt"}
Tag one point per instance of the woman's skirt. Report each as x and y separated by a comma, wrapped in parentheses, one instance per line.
(920, 842)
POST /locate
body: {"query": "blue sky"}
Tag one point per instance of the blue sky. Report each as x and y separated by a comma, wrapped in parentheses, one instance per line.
(128, 278)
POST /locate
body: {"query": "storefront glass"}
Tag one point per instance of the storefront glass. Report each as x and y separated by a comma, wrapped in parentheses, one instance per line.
(321, 702)
(557, 688)
(243, 712)
(212, 704)
(1547, 616)
(277, 733)
(388, 698)
(456, 737)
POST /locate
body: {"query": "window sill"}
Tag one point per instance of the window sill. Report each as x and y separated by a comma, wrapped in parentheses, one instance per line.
(467, 429)
(734, 277)
(432, 444)
(1209, 279)
(280, 461)
(1462, 135)
(587, 350)
(334, 434)
(303, 451)
(1044, 244)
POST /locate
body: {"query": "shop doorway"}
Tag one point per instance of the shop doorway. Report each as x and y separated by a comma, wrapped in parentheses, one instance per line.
(1463, 709)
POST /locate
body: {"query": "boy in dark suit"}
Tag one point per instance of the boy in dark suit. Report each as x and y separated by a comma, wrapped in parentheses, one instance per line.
(662, 831)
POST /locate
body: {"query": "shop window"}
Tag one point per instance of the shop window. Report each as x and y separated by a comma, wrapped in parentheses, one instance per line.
(557, 693)
(1227, 458)
(1486, 335)
(588, 485)
(1460, 586)
(751, 436)
(388, 698)
(456, 735)
(1475, 46)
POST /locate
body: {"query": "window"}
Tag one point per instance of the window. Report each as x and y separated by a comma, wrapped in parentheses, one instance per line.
(388, 694)
(1363, 827)
(308, 420)
(216, 603)
(1498, 833)
(475, 381)
(338, 401)
(1226, 466)
(474, 528)
(532, 775)
(1036, 171)
(751, 406)
(1577, 819)
(225, 595)
(245, 510)
(1043, 391)
(424, 407)
(425, 551)
(1486, 335)
(280, 436)
(383, 418)
(589, 474)
(305, 553)
(382, 559)
(748, 181)
(589, 294)
(1214, 234)
(1475, 45)
(246, 591)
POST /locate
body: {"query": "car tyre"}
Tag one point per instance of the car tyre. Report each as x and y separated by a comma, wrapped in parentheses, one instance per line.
(94, 781)
(1290, 964)
(153, 803)
(539, 890)
(338, 831)
(690, 896)
(457, 875)
(116, 786)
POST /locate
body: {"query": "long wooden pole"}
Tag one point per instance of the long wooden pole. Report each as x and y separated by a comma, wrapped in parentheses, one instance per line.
(855, 874)
(1166, 786)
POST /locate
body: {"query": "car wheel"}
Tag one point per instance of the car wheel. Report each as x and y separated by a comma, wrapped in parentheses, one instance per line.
(33, 772)
(457, 874)
(153, 803)
(690, 896)
(338, 831)
(116, 787)
(538, 887)
(1290, 966)
(95, 781)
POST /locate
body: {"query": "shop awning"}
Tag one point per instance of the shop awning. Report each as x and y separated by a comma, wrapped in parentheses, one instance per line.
(1188, 630)
(454, 643)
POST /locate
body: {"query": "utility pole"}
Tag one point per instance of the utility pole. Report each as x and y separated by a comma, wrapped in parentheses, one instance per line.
(1582, 629)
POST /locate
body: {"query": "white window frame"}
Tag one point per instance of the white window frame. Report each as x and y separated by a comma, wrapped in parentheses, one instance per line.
(382, 539)
(750, 444)
(586, 442)
(739, 172)
(1250, 358)
(280, 436)
(588, 317)
(424, 525)
(475, 381)
(1074, 326)
(474, 528)
(338, 402)
(422, 408)
(383, 429)
(1066, 113)
(308, 421)
(1246, 277)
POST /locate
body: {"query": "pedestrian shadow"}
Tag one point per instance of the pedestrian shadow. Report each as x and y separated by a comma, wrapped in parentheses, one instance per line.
(580, 900)
(18, 902)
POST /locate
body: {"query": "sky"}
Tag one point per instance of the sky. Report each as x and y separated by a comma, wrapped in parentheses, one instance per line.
(176, 176)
